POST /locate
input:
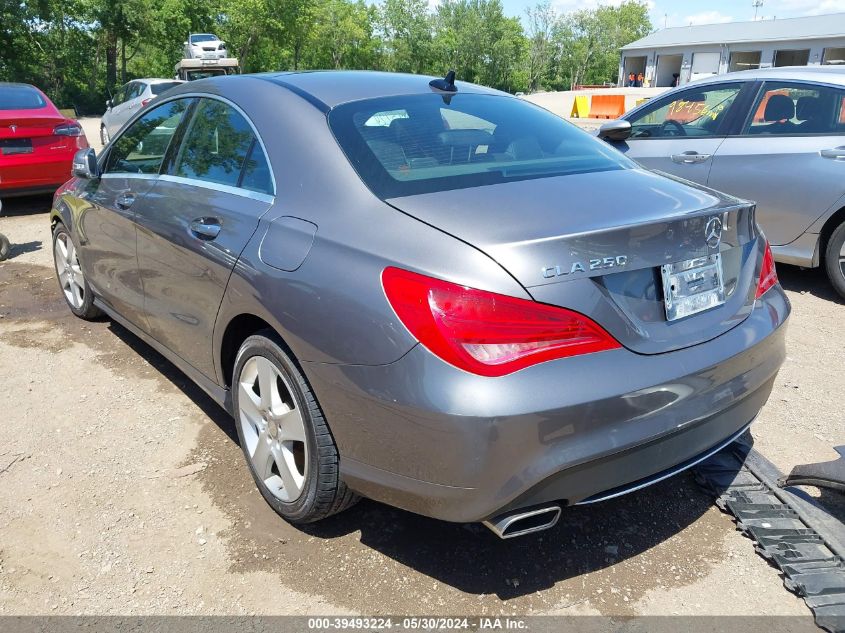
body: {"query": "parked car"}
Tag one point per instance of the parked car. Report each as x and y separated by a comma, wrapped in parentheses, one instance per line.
(37, 142)
(204, 46)
(438, 296)
(128, 100)
(775, 136)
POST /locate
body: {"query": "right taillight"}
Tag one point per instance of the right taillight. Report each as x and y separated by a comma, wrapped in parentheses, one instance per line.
(768, 274)
(486, 333)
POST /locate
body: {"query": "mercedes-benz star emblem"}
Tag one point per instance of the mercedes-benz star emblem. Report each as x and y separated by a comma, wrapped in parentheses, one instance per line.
(713, 232)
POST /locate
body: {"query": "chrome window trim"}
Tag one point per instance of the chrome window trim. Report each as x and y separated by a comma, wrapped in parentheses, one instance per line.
(114, 175)
(214, 186)
(203, 95)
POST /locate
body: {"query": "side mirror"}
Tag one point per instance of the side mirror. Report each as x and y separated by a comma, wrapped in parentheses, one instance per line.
(85, 164)
(108, 104)
(617, 130)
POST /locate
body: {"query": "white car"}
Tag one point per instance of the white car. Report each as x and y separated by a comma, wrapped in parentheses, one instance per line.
(129, 99)
(205, 46)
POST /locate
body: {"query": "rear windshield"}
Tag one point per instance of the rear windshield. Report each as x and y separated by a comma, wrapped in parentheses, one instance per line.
(417, 144)
(20, 98)
(163, 87)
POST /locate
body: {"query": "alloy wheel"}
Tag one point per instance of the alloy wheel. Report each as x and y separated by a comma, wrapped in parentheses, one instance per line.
(70, 274)
(273, 429)
(842, 259)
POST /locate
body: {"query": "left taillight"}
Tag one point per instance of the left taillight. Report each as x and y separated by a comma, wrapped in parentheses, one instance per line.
(146, 101)
(68, 129)
(486, 333)
(768, 274)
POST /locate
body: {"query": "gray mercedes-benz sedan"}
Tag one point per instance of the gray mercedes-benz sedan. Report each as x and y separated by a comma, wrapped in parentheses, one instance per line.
(428, 293)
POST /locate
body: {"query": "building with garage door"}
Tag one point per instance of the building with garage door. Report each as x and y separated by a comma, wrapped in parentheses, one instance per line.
(692, 52)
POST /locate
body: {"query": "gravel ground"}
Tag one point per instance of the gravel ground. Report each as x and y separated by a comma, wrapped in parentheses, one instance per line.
(123, 491)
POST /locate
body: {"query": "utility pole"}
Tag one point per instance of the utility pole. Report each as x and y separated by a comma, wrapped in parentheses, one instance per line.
(756, 4)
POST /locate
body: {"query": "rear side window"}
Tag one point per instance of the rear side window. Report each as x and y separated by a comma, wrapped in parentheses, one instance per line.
(20, 98)
(424, 143)
(786, 108)
(158, 89)
(142, 146)
(220, 147)
(135, 90)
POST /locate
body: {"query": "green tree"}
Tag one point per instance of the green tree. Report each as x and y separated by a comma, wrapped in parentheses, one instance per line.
(479, 42)
(590, 40)
(406, 27)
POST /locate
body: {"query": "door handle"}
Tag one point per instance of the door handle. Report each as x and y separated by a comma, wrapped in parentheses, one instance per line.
(206, 228)
(690, 158)
(125, 200)
(837, 153)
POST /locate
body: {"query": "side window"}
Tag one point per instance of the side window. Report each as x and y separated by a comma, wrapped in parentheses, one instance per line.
(142, 146)
(135, 91)
(790, 108)
(696, 112)
(119, 95)
(256, 172)
(216, 145)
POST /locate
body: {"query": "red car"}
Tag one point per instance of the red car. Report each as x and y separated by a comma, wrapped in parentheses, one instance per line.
(37, 142)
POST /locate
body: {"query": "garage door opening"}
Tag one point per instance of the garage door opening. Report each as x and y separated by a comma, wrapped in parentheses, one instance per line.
(634, 65)
(667, 67)
(834, 55)
(792, 58)
(744, 60)
(704, 65)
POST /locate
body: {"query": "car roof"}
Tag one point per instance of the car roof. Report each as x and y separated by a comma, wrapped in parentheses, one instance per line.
(823, 74)
(17, 84)
(329, 88)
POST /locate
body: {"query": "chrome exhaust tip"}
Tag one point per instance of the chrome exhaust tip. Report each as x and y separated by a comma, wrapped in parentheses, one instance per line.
(520, 523)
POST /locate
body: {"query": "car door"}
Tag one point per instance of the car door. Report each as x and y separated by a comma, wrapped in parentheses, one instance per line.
(195, 223)
(106, 225)
(789, 157)
(679, 133)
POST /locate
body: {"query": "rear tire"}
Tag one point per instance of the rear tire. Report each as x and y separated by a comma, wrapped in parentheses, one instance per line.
(287, 443)
(834, 259)
(5, 247)
(72, 282)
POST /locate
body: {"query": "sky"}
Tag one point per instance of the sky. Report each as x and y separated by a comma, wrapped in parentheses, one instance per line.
(683, 12)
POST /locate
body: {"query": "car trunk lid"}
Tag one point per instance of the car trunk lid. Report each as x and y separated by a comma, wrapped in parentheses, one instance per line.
(31, 132)
(596, 242)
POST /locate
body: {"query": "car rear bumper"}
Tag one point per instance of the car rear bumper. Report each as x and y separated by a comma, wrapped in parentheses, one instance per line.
(35, 173)
(422, 435)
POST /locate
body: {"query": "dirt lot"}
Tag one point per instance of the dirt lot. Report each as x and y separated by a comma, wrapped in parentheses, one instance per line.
(123, 491)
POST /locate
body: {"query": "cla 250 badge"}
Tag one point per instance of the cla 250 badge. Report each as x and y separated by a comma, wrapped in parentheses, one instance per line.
(578, 267)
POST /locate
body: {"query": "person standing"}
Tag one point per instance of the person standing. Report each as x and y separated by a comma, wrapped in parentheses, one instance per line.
(639, 83)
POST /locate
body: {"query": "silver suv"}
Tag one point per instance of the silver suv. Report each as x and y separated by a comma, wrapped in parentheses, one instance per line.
(129, 99)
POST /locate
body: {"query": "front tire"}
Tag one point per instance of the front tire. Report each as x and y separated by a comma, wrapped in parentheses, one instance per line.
(72, 282)
(834, 259)
(5, 247)
(284, 435)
